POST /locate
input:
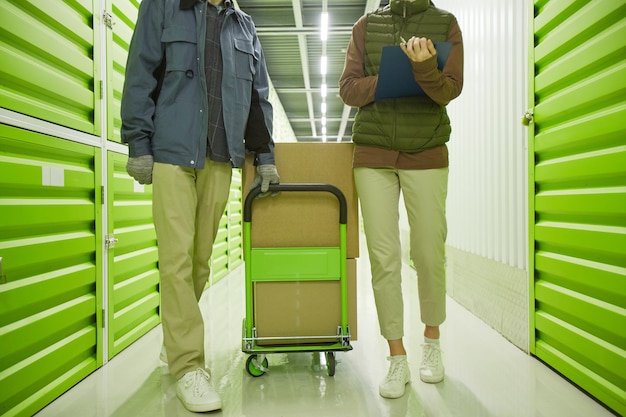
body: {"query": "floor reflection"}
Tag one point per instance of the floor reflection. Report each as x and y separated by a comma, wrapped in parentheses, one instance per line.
(486, 376)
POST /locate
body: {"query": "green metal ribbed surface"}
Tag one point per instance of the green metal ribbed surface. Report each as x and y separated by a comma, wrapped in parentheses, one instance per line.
(124, 15)
(235, 222)
(133, 277)
(579, 195)
(219, 257)
(50, 67)
(50, 289)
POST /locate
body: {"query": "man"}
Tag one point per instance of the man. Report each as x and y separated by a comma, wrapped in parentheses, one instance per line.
(400, 145)
(195, 100)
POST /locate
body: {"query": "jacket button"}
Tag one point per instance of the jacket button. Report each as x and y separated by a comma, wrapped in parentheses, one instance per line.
(192, 162)
(189, 73)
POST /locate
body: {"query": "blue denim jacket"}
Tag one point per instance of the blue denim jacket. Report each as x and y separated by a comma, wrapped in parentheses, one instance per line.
(174, 128)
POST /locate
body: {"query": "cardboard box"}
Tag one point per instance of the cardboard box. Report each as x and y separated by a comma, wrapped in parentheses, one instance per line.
(305, 219)
(303, 308)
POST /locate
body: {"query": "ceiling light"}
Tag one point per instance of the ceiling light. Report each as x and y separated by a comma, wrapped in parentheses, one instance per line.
(324, 90)
(324, 107)
(324, 26)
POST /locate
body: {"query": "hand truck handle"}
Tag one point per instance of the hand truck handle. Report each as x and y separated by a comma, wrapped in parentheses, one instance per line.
(343, 205)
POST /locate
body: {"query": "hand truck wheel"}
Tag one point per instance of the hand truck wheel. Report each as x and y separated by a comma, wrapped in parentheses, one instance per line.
(253, 368)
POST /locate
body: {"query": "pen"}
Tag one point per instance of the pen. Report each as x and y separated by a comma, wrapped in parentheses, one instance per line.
(403, 40)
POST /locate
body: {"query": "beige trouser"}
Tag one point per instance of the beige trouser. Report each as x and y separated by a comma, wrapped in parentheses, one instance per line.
(187, 205)
(424, 194)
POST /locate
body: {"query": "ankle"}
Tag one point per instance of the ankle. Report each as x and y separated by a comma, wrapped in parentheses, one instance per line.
(396, 347)
(432, 332)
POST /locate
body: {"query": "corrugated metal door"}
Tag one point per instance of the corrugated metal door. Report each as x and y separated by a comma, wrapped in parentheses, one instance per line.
(133, 277)
(50, 67)
(235, 222)
(50, 268)
(122, 15)
(219, 257)
(578, 290)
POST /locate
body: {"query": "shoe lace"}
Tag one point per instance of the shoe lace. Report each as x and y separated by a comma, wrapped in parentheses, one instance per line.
(200, 381)
(395, 371)
(431, 355)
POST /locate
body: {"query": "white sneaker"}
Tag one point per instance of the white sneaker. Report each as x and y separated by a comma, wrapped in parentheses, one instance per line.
(196, 393)
(398, 376)
(431, 370)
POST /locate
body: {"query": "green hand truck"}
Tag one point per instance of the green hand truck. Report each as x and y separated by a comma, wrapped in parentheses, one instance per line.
(261, 266)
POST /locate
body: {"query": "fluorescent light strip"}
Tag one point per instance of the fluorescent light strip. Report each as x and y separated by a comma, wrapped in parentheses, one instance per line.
(324, 27)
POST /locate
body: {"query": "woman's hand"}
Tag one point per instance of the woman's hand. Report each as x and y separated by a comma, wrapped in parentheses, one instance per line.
(419, 49)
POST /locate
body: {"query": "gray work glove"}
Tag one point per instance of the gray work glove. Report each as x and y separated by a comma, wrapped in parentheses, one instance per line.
(140, 168)
(267, 175)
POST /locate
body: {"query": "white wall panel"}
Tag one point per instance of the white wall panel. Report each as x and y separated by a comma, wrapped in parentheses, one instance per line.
(487, 189)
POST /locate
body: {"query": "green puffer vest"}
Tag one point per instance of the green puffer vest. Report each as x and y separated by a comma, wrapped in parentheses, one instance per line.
(408, 124)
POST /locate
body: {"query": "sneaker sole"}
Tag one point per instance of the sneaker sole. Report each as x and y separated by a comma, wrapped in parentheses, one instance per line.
(200, 408)
(392, 395)
(430, 380)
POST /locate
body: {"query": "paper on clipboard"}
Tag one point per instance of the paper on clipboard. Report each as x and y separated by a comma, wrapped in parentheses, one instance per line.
(395, 77)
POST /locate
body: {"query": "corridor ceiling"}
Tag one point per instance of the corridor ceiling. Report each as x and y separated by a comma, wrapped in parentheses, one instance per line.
(289, 31)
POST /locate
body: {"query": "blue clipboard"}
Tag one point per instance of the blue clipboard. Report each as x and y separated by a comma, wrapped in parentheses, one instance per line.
(395, 77)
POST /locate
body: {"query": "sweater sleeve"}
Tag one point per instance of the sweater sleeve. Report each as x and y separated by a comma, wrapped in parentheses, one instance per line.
(443, 86)
(355, 88)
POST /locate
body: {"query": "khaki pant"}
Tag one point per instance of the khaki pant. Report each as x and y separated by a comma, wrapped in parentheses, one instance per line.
(187, 207)
(424, 193)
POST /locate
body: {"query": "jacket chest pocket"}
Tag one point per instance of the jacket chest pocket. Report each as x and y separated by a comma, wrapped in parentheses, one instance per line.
(180, 48)
(244, 59)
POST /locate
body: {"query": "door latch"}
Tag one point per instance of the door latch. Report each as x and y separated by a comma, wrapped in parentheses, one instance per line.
(110, 241)
(108, 20)
(528, 117)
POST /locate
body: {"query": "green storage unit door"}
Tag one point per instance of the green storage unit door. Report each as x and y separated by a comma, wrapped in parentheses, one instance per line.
(133, 277)
(578, 291)
(50, 268)
(219, 257)
(123, 15)
(50, 61)
(235, 222)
